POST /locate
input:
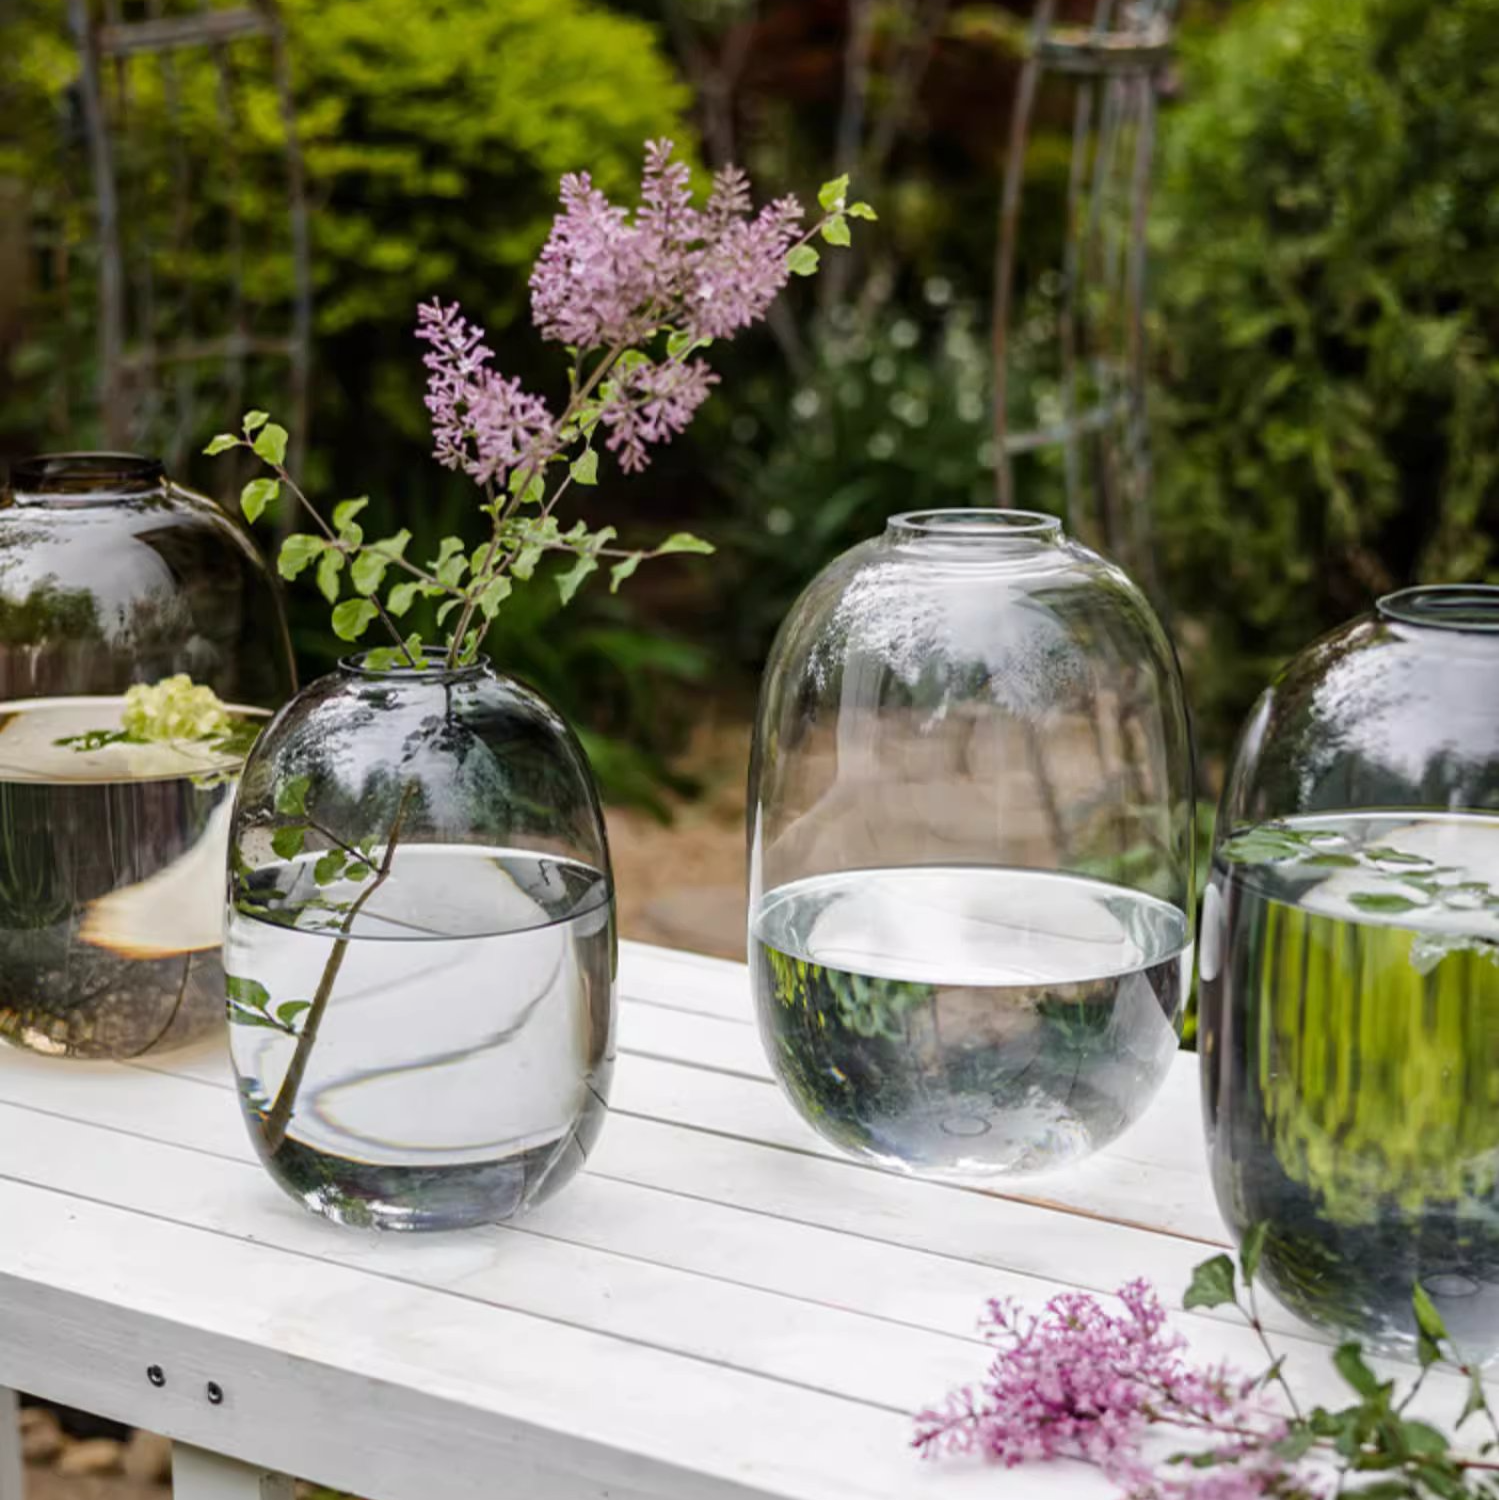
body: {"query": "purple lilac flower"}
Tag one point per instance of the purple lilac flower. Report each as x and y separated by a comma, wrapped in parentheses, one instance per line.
(1081, 1382)
(604, 279)
(651, 404)
(482, 422)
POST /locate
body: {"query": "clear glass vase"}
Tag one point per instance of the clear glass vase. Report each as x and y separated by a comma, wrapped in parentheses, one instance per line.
(1350, 973)
(970, 848)
(420, 948)
(111, 857)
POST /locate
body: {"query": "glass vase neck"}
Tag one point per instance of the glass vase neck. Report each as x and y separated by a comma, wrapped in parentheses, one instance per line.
(73, 477)
(981, 533)
(432, 668)
(1445, 606)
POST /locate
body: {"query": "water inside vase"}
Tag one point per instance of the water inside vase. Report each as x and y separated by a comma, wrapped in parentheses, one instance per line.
(111, 879)
(966, 1019)
(1350, 969)
(459, 1069)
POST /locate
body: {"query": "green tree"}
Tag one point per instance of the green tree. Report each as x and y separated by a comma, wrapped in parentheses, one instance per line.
(1327, 268)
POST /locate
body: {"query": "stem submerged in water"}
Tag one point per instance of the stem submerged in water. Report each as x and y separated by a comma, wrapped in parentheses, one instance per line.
(279, 1118)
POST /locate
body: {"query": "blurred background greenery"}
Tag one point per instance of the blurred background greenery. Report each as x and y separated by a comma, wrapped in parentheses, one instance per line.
(1324, 335)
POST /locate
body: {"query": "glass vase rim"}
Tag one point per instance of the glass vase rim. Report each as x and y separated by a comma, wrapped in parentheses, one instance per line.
(434, 668)
(975, 524)
(1444, 606)
(84, 475)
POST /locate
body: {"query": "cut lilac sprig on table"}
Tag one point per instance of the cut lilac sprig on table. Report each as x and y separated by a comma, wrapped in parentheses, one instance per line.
(636, 298)
(1081, 1381)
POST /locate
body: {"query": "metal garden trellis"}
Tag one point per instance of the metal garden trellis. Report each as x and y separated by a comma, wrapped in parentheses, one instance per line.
(136, 357)
(1116, 61)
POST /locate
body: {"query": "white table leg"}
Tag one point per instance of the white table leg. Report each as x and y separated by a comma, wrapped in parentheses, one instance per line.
(10, 1445)
(198, 1474)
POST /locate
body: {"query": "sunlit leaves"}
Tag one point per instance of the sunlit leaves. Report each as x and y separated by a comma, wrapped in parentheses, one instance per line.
(298, 551)
(1212, 1283)
(803, 261)
(270, 444)
(352, 618)
(256, 495)
(291, 796)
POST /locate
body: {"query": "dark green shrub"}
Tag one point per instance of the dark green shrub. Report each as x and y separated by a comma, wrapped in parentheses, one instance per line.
(1327, 270)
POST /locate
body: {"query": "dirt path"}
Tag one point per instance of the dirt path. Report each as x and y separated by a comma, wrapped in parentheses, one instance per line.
(682, 885)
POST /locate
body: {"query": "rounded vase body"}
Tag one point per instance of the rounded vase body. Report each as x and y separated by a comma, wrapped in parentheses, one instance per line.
(1350, 973)
(111, 851)
(420, 948)
(970, 851)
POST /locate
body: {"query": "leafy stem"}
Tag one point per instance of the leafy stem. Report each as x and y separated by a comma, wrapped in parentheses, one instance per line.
(278, 1119)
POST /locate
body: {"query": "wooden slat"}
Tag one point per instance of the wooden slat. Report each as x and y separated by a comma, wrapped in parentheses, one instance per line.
(718, 1307)
(724, 1323)
(168, 33)
(389, 1390)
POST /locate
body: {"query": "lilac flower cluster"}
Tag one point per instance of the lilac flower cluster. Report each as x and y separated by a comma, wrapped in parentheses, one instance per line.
(606, 280)
(482, 423)
(1082, 1382)
(607, 284)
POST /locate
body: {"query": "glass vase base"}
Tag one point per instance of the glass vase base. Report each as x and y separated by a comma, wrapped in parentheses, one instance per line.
(373, 1195)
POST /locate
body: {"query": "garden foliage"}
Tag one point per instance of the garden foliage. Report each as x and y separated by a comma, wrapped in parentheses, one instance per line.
(1327, 271)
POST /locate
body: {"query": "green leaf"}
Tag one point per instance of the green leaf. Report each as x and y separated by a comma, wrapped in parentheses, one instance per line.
(494, 594)
(1250, 1249)
(683, 541)
(1332, 862)
(831, 194)
(623, 569)
(528, 485)
(270, 443)
(247, 991)
(330, 866)
(446, 608)
(1428, 1319)
(345, 511)
(289, 1012)
(221, 444)
(1295, 1444)
(570, 582)
(256, 495)
(1423, 1438)
(1382, 901)
(1387, 856)
(835, 231)
(401, 597)
(680, 344)
(803, 261)
(1428, 1351)
(254, 421)
(330, 565)
(291, 797)
(287, 842)
(298, 551)
(1349, 1361)
(1477, 1398)
(861, 211)
(359, 870)
(352, 618)
(368, 571)
(1212, 1283)
(1261, 845)
(585, 467)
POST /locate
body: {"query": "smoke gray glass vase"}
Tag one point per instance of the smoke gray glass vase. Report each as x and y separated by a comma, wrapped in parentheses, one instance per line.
(111, 857)
(970, 848)
(1350, 973)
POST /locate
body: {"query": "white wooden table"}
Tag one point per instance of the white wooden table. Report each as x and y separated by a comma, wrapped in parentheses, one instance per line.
(719, 1306)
